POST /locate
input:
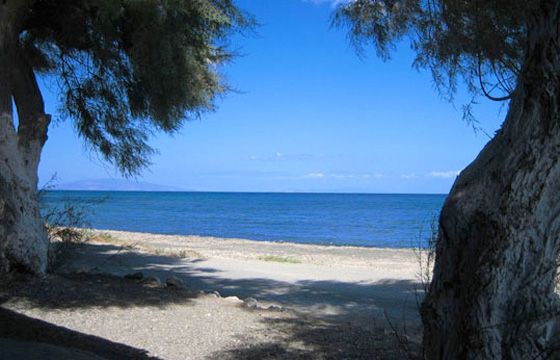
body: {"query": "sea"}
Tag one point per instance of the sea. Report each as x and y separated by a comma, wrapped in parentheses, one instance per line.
(372, 220)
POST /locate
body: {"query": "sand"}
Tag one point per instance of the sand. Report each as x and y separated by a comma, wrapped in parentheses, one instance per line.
(314, 302)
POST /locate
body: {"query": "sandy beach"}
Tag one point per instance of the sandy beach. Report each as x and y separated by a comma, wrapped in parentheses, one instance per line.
(301, 301)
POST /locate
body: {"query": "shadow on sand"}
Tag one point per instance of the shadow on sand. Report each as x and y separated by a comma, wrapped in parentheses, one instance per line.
(337, 319)
(327, 340)
(19, 335)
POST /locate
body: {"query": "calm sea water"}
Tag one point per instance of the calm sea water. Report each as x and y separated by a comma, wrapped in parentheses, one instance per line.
(380, 220)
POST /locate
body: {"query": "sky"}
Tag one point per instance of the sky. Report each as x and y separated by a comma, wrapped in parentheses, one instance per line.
(308, 115)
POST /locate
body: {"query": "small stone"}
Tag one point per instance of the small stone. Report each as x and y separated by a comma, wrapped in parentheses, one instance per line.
(150, 281)
(275, 308)
(83, 271)
(134, 276)
(233, 300)
(214, 294)
(174, 281)
(250, 303)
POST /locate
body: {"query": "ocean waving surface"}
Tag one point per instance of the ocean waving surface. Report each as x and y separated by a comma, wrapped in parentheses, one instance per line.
(380, 220)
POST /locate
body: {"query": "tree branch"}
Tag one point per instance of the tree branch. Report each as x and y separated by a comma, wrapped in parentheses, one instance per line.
(33, 122)
(479, 74)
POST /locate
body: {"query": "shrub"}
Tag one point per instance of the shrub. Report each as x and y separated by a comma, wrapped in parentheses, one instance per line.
(67, 221)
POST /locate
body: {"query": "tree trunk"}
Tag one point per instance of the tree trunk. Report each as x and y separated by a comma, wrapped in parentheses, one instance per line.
(23, 238)
(492, 294)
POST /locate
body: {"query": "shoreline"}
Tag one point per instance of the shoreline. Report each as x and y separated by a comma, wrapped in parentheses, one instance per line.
(361, 284)
(397, 263)
(96, 230)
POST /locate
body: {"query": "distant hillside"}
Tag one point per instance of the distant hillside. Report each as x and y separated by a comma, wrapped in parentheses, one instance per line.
(114, 185)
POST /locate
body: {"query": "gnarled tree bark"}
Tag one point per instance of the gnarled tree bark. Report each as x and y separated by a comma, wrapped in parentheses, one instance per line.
(492, 294)
(23, 238)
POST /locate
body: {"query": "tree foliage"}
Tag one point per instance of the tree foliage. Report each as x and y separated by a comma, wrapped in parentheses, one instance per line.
(126, 68)
(492, 292)
(483, 42)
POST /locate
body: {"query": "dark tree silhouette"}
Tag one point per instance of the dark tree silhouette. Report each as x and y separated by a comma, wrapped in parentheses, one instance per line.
(492, 294)
(124, 69)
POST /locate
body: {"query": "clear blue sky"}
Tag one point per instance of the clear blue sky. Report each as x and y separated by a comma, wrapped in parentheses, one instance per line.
(310, 116)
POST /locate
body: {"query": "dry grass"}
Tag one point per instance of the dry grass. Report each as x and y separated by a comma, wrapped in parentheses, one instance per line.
(281, 259)
(175, 254)
(112, 240)
(67, 234)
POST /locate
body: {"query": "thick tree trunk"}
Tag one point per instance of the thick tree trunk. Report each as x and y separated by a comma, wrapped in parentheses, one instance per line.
(492, 294)
(23, 238)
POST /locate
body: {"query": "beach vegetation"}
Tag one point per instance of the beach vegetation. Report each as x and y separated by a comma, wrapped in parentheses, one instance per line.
(281, 259)
(498, 235)
(184, 254)
(68, 235)
(159, 251)
(110, 239)
(124, 70)
(70, 214)
(175, 254)
(67, 221)
(106, 238)
(425, 251)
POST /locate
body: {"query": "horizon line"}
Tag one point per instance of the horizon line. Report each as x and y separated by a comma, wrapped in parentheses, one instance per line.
(252, 192)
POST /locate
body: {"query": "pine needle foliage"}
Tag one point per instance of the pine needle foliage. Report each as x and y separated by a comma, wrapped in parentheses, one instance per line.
(127, 68)
(483, 42)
